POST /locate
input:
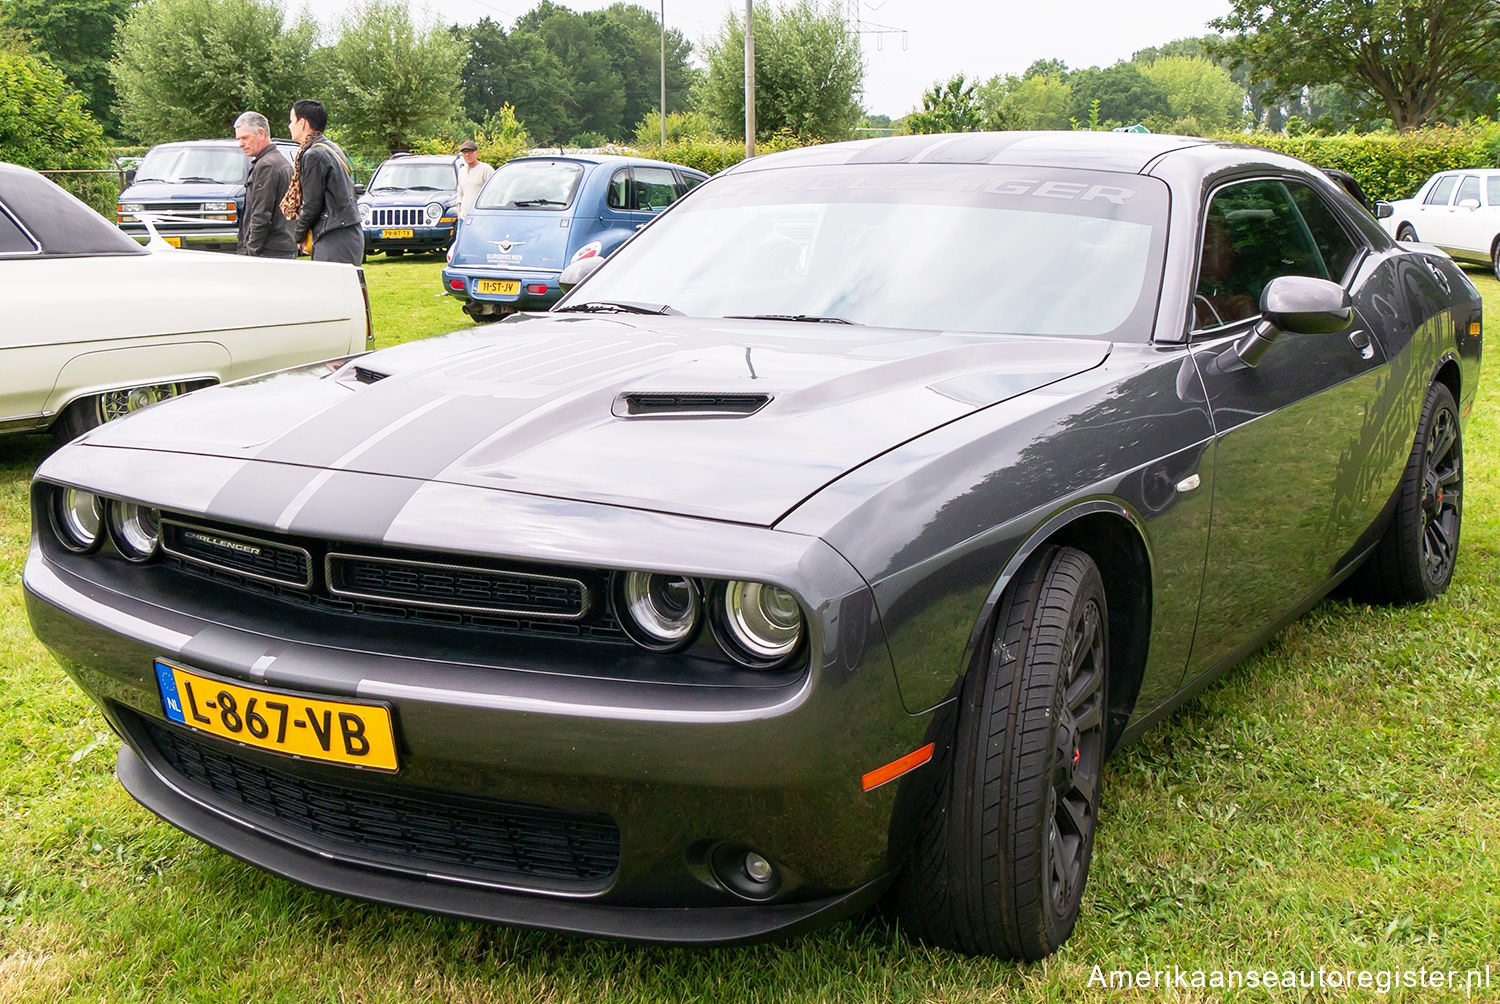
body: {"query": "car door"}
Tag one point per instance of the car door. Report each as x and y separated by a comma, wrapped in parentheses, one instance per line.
(634, 198)
(1470, 226)
(1434, 215)
(1293, 433)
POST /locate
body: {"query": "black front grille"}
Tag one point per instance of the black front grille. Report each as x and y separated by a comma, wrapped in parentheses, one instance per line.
(456, 587)
(399, 217)
(264, 559)
(425, 832)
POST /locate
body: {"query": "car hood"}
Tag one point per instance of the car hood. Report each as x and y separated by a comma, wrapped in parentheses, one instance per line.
(725, 419)
(407, 198)
(164, 191)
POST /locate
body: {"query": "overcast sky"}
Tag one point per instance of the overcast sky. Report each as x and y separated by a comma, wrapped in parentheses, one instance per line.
(935, 38)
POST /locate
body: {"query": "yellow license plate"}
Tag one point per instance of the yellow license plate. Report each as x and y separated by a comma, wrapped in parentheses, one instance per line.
(176, 242)
(335, 731)
(506, 287)
(388, 235)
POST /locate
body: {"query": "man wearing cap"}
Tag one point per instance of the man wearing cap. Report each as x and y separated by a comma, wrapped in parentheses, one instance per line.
(472, 174)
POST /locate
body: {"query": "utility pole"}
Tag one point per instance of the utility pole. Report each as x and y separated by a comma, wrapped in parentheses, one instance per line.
(749, 78)
(663, 72)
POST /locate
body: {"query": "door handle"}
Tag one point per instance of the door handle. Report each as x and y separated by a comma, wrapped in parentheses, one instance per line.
(1361, 340)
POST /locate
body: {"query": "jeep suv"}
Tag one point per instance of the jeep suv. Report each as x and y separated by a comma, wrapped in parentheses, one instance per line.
(198, 186)
(410, 205)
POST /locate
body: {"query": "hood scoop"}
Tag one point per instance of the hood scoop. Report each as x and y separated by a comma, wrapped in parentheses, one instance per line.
(686, 404)
(363, 374)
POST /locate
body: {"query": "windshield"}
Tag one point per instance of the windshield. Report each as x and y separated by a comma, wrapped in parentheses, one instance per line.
(418, 177)
(531, 184)
(934, 247)
(225, 165)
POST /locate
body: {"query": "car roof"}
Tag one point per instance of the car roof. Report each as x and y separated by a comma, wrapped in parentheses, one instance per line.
(606, 159)
(1102, 151)
(421, 158)
(210, 142)
(61, 223)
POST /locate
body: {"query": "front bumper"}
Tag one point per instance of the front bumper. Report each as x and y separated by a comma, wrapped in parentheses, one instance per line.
(689, 777)
(196, 240)
(397, 239)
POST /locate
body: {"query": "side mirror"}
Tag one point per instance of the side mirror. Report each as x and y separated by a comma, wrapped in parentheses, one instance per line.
(1299, 304)
(579, 271)
(359, 189)
(1384, 210)
(1469, 204)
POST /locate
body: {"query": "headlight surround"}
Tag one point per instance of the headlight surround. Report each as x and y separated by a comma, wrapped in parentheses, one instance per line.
(659, 611)
(77, 518)
(135, 529)
(434, 211)
(217, 207)
(758, 624)
(364, 211)
(130, 207)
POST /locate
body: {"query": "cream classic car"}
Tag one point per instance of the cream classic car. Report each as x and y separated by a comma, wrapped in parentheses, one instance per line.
(95, 325)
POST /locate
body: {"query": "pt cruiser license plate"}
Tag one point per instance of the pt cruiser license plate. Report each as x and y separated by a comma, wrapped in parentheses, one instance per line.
(334, 731)
(387, 235)
(505, 287)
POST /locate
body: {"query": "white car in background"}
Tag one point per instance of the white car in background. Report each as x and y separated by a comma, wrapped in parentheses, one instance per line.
(95, 325)
(1458, 211)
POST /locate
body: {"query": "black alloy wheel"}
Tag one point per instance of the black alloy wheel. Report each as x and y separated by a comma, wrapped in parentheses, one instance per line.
(1416, 556)
(999, 866)
(1405, 233)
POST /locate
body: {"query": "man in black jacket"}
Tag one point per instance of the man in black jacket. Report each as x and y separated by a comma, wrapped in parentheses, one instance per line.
(263, 230)
(320, 199)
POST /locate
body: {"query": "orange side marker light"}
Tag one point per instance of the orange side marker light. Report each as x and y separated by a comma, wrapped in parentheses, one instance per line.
(894, 769)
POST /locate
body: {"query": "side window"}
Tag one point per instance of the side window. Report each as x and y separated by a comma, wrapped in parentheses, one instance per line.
(692, 181)
(1442, 191)
(618, 197)
(1492, 189)
(1468, 189)
(1334, 243)
(1252, 233)
(13, 239)
(655, 189)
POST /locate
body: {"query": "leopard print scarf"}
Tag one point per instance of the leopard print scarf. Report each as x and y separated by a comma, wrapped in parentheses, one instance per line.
(291, 202)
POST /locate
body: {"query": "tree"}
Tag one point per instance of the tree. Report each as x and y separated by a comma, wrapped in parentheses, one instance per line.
(1035, 101)
(77, 37)
(632, 40)
(390, 82)
(186, 68)
(592, 96)
(1124, 94)
(808, 70)
(1198, 90)
(43, 123)
(950, 107)
(1416, 57)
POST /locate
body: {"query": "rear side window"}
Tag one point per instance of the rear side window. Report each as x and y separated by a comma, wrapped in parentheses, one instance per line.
(13, 240)
(1442, 191)
(642, 189)
(532, 184)
(1492, 188)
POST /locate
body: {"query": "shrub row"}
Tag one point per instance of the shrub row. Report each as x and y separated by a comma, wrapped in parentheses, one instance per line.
(1386, 165)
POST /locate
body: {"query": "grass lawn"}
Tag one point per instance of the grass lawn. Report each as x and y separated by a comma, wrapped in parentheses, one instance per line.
(1333, 802)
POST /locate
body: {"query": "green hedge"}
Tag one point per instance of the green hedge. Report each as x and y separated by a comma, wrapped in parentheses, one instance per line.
(1390, 166)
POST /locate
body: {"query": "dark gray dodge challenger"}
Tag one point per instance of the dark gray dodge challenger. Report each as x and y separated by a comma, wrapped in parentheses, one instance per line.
(819, 545)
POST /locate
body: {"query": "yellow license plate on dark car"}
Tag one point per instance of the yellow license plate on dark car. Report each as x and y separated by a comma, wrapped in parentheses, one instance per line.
(387, 235)
(505, 287)
(335, 731)
(176, 242)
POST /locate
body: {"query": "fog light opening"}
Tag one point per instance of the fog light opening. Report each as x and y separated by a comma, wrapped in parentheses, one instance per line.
(758, 869)
(747, 873)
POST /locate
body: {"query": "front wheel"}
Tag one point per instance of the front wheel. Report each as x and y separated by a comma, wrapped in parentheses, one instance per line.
(1495, 258)
(1405, 233)
(999, 867)
(1415, 558)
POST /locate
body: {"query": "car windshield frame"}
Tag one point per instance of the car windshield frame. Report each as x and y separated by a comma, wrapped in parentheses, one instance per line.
(539, 184)
(178, 164)
(399, 175)
(911, 246)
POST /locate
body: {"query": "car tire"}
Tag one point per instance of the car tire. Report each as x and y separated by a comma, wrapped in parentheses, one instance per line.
(1405, 232)
(998, 868)
(1416, 556)
(93, 411)
(1495, 258)
(394, 252)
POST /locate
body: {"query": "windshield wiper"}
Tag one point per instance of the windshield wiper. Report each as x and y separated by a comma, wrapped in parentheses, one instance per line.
(537, 202)
(143, 180)
(196, 179)
(425, 188)
(388, 188)
(618, 307)
(787, 317)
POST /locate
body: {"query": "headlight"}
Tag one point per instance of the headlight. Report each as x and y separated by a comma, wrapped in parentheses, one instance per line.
(77, 516)
(364, 212)
(135, 529)
(434, 211)
(759, 624)
(589, 250)
(217, 207)
(130, 207)
(659, 612)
